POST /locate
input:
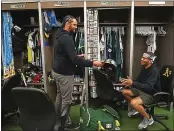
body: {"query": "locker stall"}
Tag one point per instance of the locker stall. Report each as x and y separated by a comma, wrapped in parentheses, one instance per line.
(154, 32)
(26, 42)
(119, 20)
(114, 19)
(115, 15)
(61, 9)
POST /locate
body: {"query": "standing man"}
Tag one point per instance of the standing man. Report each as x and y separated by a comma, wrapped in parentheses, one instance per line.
(65, 58)
(141, 90)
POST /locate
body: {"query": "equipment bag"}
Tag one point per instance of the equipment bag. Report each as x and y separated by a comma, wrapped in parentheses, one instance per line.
(102, 119)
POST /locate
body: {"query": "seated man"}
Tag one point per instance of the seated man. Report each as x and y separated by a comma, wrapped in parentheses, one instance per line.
(141, 90)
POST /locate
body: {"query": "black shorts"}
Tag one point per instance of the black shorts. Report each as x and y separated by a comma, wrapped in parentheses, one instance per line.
(146, 98)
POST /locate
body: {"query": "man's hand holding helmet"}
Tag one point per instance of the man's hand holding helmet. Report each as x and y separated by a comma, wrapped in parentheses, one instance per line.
(98, 63)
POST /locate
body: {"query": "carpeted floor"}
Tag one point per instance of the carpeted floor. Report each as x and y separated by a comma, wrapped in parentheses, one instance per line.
(127, 124)
(132, 123)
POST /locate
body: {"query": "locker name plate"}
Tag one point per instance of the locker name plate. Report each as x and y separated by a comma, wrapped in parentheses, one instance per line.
(17, 6)
(157, 2)
(108, 3)
(60, 3)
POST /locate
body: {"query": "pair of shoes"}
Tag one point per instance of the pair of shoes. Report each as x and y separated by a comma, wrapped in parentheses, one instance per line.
(132, 113)
(146, 122)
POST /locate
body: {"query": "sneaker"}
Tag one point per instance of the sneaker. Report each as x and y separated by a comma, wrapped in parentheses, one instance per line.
(132, 113)
(146, 122)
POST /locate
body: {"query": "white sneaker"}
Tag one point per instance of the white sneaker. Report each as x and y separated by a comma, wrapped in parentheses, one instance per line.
(146, 122)
(132, 113)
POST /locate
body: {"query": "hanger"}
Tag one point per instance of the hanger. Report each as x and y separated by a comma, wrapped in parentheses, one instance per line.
(123, 31)
(28, 32)
(159, 31)
(163, 32)
(35, 29)
(114, 28)
(81, 29)
(109, 29)
(137, 29)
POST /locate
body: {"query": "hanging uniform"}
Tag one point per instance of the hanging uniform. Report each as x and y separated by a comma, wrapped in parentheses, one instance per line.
(30, 47)
(81, 44)
(80, 49)
(109, 46)
(121, 48)
(118, 51)
(8, 59)
(151, 42)
(117, 55)
(103, 45)
(77, 39)
(114, 47)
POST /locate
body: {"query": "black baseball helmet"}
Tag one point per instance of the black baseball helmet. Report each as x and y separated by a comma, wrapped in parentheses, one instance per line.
(109, 68)
(109, 64)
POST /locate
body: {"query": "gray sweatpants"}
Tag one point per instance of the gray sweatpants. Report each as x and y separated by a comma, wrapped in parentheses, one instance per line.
(64, 91)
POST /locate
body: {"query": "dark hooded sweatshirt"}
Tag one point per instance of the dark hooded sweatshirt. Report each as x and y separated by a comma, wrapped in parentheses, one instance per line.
(148, 80)
(65, 57)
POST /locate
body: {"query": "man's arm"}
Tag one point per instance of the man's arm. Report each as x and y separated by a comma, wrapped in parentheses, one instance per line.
(70, 50)
(148, 85)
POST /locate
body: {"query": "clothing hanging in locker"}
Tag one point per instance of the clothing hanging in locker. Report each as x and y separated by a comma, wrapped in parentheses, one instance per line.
(92, 34)
(80, 49)
(110, 42)
(34, 48)
(111, 46)
(50, 22)
(79, 41)
(8, 58)
(151, 42)
(151, 34)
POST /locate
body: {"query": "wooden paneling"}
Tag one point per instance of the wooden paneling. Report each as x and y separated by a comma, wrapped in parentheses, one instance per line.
(146, 3)
(109, 4)
(50, 5)
(19, 6)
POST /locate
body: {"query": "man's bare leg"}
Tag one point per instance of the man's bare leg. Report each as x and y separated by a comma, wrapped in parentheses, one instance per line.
(127, 94)
(137, 103)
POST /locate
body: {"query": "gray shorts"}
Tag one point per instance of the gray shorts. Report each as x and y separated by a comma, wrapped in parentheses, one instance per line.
(146, 98)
